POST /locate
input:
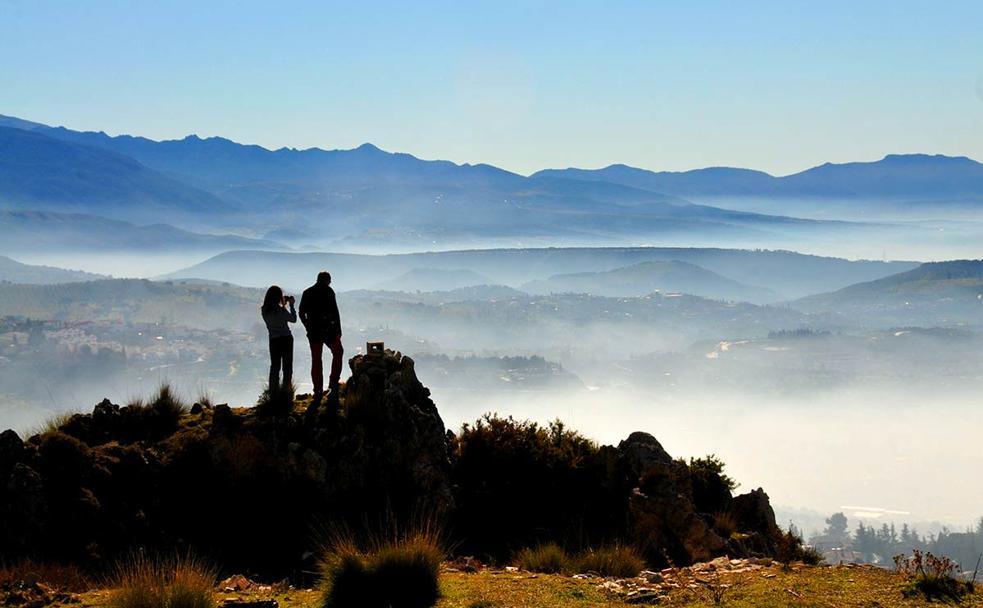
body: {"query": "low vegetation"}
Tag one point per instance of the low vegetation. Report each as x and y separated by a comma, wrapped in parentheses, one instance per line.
(142, 581)
(276, 400)
(549, 558)
(789, 548)
(932, 577)
(612, 560)
(623, 561)
(401, 571)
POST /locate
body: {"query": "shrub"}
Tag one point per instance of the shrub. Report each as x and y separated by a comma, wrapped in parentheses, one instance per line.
(51, 424)
(520, 483)
(167, 407)
(789, 547)
(549, 558)
(158, 418)
(614, 560)
(146, 582)
(932, 577)
(399, 572)
(276, 401)
(711, 486)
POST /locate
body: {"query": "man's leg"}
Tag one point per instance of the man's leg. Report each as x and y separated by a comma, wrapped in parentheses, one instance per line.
(337, 352)
(317, 371)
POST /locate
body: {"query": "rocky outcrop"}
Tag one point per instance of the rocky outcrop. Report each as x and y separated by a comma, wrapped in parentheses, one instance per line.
(665, 519)
(258, 491)
(254, 491)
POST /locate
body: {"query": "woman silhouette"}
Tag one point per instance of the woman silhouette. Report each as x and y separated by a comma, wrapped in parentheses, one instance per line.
(278, 310)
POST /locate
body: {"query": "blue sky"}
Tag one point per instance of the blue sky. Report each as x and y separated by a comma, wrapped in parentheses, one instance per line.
(526, 85)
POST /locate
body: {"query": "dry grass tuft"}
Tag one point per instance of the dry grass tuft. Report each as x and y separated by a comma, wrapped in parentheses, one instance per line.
(549, 558)
(154, 582)
(389, 571)
(622, 561)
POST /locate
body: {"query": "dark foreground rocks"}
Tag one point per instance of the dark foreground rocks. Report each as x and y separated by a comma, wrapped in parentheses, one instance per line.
(260, 492)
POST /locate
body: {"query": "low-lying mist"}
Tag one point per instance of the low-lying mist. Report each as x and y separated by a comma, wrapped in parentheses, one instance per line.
(897, 450)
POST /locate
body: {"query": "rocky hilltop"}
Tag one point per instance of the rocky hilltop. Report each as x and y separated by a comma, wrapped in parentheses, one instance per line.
(257, 490)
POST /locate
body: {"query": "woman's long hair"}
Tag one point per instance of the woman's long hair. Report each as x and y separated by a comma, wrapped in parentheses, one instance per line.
(273, 299)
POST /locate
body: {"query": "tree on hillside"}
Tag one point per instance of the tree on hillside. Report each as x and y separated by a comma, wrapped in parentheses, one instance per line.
(836, 527)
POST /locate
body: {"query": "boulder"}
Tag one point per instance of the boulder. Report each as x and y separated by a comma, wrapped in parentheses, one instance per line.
(11, 451)
(753, 513)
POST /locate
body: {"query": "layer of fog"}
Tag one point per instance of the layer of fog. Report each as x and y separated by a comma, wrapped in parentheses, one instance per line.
(916, 453)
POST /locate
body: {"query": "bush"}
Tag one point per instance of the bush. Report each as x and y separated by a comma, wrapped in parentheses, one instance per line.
(549, 558)
(276, 401)
(931, 577)
(400, 572)
(711, 486)
(156, 419)
(521, 484)
(614, 560)
(789, 547)
(145, 582)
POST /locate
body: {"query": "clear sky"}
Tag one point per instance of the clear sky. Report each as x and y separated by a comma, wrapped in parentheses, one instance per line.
(524, 85)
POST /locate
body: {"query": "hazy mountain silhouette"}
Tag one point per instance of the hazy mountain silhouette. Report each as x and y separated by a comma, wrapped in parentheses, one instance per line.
(434, 279)
(935, 293)
(913, 176)
(46, 231)
(347, 193)
(41, 172)
(788, 274)
(12, 271)
(647, 277)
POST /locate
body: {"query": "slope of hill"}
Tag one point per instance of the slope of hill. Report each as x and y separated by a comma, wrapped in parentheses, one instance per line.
(647, 277)
(434, 279)
(12, 271)
(134, 301)
(936, 293)
(903, 176)
(788, 274)
(46, 231)
(41, 172)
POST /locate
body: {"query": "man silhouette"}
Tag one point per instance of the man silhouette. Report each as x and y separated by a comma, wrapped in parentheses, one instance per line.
(320, 316)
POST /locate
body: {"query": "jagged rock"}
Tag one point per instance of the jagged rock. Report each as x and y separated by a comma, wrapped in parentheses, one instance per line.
(11, 451)
(663, 516)
(641, 452)
(753, 512)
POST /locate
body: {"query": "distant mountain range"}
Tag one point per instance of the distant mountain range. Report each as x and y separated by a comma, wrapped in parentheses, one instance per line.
(12, 271)
(367, 199)
(322, 197)
(911, 176)
(37, 171)
(640, 279)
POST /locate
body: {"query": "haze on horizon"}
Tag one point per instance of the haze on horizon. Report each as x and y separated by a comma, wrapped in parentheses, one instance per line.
(520, 85)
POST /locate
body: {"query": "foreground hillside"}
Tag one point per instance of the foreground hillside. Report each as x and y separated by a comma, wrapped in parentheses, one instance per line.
(766, 587)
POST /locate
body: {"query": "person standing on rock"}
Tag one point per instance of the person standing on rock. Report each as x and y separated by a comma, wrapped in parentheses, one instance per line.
(278, 311)
(319, 314)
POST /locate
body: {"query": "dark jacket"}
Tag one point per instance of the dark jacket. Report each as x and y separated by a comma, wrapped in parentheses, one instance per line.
(319, 313)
